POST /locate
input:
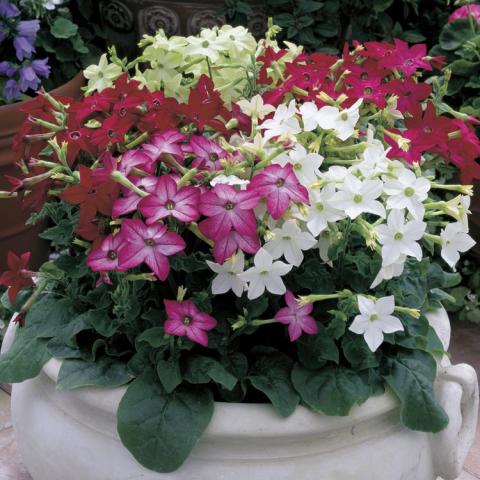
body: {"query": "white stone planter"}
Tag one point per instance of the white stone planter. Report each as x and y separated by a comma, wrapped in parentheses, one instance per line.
(72, 435)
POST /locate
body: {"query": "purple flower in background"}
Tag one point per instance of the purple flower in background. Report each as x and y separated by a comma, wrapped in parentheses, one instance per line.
(41, 67)
(23, 47)
(28, 29)
(28, 79)
(11, 91)
(8, 69)
(3, 31)
(8, 10)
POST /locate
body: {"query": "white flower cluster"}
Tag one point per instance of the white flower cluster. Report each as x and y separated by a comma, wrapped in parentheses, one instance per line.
(387, 201)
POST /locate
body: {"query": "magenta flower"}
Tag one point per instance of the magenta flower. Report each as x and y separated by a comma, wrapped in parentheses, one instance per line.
(123, 164)
(297, 317)
(128, 203)
(227, 209)
(150, 244)
(105, 257)
(227, 245)
(464, 11)
(280, 186)
(207, 153)
(167, 200)
(405, 58)
(185, 319)
(166, 142)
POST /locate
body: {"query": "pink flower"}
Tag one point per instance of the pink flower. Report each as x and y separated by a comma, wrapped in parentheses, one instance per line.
(280, 186)
(207, 153)
(168, 200)
(405, 58)
(150, 244)
(105, 257)
(227, 209)
(185, 319)
(464, 12)
(297, 318)
(124, 164)
(227, 245)
(130, 200)
(166, 142)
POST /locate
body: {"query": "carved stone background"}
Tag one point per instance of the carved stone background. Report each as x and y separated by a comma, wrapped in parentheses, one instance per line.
(154, 18)
(125, 21)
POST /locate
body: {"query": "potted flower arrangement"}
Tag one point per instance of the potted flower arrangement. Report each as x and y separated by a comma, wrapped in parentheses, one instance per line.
(251, 259)
(30, 33)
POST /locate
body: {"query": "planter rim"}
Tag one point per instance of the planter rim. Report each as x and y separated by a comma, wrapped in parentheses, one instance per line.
(263, 422)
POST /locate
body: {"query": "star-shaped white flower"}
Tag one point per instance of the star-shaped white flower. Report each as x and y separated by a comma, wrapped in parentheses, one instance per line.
(375, 319)
(322, 210)
(407, 191)
(306, 165)
(400, 238)
(342, 121)
(206, 44)
(455, 239)
(255, 107)
(228, 275)
(266, 274)
(290, 241)
(355, 197)
(283, 122)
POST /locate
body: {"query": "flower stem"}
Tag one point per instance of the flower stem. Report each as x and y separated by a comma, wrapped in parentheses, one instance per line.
(124, 181)
(137, 141)
(321, 297)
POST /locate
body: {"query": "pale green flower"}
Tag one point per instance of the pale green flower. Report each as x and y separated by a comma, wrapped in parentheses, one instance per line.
(101, 76)
(206, 44)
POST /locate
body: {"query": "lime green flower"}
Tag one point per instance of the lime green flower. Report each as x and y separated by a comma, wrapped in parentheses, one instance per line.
(102, 75)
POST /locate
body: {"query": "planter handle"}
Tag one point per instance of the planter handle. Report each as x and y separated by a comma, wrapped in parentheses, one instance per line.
(457, 391)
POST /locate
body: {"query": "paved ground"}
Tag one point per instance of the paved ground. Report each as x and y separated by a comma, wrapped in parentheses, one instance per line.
(465, 348)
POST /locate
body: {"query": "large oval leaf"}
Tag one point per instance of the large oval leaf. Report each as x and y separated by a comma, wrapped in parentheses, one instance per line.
(103, 372)
(411, 376)
(332, 390)
(160, 429)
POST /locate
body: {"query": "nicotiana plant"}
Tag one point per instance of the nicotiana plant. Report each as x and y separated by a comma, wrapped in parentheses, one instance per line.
(239, 222)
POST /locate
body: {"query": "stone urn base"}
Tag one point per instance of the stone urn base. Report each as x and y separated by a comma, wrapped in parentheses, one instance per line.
(73, 435)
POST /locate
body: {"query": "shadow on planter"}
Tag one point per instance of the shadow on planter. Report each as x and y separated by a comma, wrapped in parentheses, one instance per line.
(14, 234)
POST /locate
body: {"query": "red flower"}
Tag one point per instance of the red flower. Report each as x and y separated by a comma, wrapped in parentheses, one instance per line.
(18, 275)
(76, 135)
(91, 194)
(112, 131)
(205, 106)
(410, 94)
(427, 129)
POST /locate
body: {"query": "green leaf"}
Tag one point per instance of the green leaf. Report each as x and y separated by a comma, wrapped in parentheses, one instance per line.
(455, 34)
(411, 376)
(169, 374)
(103, 372)
(357, 353)
(196, 262)
(271, 375)
(63, 28)
(160, 429)
(155, 337)
(332, 390)
(464, 68)
(25, 358)
(315, 350)
(200, 369)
